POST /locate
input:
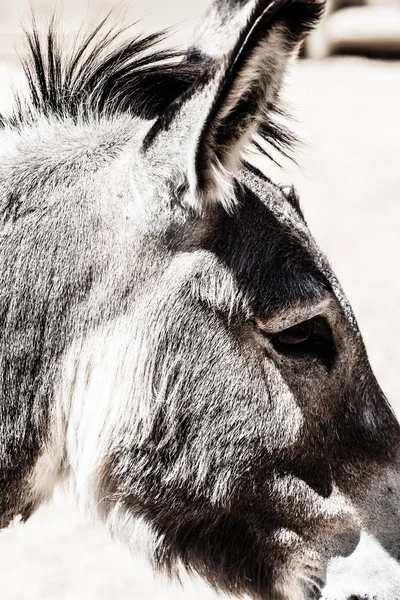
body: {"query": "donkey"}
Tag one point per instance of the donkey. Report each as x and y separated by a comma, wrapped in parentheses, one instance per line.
(173, 343)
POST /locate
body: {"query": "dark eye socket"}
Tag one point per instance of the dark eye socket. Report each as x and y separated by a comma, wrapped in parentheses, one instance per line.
(295, 335)
(311, 338)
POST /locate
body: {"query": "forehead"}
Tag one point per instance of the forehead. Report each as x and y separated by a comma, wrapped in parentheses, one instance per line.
(267, 248)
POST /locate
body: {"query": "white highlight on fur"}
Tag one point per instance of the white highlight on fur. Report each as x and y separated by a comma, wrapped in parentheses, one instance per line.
(95, 393)
(135, 532)
(50, 468)
(107, 393)
(227, 23)
(297, 314)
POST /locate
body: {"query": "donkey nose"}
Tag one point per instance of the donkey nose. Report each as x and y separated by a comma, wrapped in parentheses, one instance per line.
(345, 542)
(341, 537)
(369, 573)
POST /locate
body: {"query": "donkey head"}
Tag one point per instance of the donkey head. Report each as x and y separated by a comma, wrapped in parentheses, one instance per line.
(264, 445)
(214, 391)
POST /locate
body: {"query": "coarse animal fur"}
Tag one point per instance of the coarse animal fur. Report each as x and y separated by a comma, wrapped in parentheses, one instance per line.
(173, 343)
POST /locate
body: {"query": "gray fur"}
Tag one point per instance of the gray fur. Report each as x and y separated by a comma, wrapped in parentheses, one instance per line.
(141, 349)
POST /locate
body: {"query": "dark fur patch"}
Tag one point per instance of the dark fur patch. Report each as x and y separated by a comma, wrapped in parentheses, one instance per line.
(103, 74)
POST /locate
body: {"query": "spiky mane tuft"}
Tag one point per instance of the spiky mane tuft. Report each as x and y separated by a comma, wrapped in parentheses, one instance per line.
(105, 74)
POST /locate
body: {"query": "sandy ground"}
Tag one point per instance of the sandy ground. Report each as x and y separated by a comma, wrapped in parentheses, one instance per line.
(348, 111)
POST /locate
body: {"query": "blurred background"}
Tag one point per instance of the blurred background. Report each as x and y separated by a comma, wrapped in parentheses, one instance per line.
(345, 95)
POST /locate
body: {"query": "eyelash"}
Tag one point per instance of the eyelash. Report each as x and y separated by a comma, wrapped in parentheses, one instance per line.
(315, 340)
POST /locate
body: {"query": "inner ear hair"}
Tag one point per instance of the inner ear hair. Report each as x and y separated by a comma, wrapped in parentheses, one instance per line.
(248, 90)
(245, 48)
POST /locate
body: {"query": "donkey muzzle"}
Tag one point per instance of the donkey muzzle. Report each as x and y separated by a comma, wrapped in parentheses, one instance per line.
(369, 573)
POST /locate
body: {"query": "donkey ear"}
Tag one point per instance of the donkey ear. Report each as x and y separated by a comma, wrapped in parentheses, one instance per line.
(244, 46)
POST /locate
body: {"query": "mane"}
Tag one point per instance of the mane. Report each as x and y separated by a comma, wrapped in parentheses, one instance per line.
(105, 74)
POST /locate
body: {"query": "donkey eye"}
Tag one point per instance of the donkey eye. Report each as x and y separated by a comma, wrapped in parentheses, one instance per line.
(295, 335)
(311, 338)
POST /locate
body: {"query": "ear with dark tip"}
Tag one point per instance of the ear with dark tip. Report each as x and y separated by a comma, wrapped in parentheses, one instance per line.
(244, 46)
